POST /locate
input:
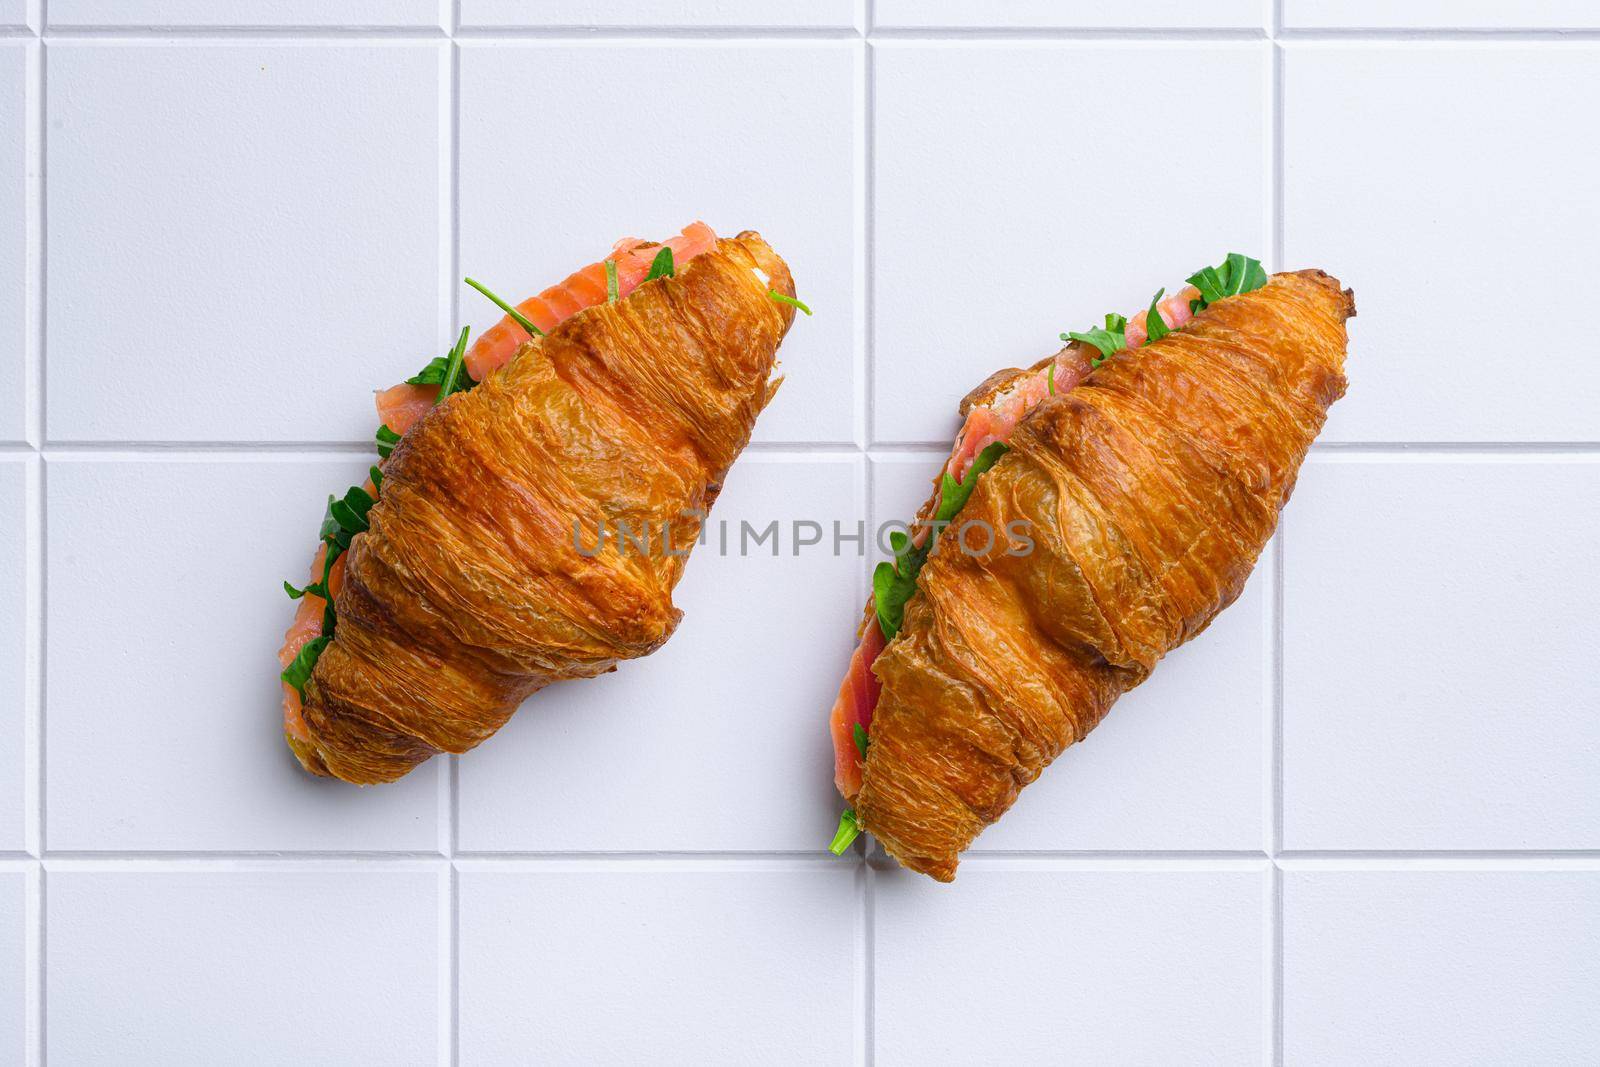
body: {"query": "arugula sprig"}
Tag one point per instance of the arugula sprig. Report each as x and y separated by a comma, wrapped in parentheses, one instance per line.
(1234, 275)
(791, 301)
(1155, 327)
(518, 317)
(895, 583)
(1109, 339)
(611, 281)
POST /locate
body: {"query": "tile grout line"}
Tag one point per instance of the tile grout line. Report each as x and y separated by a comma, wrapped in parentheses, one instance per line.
(39, 557)
(450, 961)
(1275, 1047)
(867, 932)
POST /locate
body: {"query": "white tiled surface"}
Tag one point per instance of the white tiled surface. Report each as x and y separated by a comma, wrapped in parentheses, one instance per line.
(664, 963)
(1355, 821)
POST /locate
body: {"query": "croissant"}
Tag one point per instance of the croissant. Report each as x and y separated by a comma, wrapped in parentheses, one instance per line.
(1133, 486)
(489, 563)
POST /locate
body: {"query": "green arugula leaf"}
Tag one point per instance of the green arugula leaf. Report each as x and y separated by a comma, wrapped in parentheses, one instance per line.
(1236, 274)
(1109, 339)
(1050, 379)
(860, 734)
(661, 266)
(848, 831)
(298, 673)
(294, 594)
(386, 439)
(791, 301)
(611, 281)
(377, 478)
(893, 584)
(1155, 327)
(517, 316)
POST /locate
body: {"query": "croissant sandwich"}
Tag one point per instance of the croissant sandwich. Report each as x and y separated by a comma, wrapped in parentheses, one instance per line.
(1097, 511)
(489, 552)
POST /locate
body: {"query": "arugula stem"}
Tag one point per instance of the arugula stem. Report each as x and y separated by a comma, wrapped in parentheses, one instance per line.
(791, 301)
(452, 370)
(848, 831)
(521, 319)
(611, 281)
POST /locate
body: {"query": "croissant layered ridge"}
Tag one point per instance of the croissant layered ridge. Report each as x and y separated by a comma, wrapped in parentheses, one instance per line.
(1148, 491)
(492, 566)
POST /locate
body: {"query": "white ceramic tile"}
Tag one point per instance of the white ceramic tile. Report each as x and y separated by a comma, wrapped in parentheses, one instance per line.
(634, 963)
(232, 258)
(763, 136)
(1102, 966)
(1439, 638)
(290, 13)
(204, 966)
(630, 14)
(14, 14)
(16, 96)
(719, 740)
(1438, 14)
(1457, 966)
(1071, 14)
(1447, 243)
(166, 611)
(13, 966)
(1030, 177)
(15, 536)
(1178, 764)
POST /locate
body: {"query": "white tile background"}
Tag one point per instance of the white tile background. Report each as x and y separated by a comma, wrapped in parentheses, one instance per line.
(1355, 822)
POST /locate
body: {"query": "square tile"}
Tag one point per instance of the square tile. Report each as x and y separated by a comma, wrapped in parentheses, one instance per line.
(1180, 763)
(16, 175)
(1438, 14)
(1436, 243)
(16, 535)
(266, 260)
(1070, 14)
(14, 14)
(668, 14)
(378, 14)
(1440, 966)
(276, 965)
(14, 977)
(719, 740)
(745, 135)
(675, 963)
(1168, 965)
(1048, 215)
(164, 720)
(1439, 636)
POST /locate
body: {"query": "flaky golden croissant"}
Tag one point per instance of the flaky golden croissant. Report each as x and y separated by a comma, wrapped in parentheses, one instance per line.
(1147, 478)
(489, 564)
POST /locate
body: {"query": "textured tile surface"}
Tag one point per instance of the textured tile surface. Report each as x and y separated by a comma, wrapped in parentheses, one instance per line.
(198, 966)
(166, 732)
(13, 966)
(1439, 14)
(246, 13)
(1418, 375)
(16, 97)
(775, 147)
(14, 541)
(628, 14)
(1052, 231)
(1438, 690)
(284, 258)
(1071, 14)
(1020, 965)
(1440, 966)
(697, 964)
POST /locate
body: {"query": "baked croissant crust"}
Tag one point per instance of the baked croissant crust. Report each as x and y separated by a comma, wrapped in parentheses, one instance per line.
(478, 582)
(1149, 490)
